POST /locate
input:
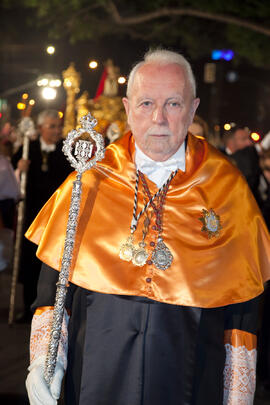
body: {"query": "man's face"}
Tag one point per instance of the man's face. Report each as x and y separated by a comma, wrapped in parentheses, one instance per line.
(242, 139)
(51, 130)
(160, 109)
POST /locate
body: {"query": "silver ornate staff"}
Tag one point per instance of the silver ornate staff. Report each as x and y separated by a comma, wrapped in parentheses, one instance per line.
(81, 162)
(27, 128)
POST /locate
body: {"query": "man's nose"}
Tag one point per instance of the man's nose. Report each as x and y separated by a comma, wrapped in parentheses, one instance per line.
(159, 116)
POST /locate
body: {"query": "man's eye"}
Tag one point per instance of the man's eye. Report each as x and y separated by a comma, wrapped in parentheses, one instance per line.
(146, 103)
(174, 104)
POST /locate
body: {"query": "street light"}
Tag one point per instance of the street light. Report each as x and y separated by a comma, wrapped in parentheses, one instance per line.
(50, 49)
(55, 83)
(49, 83)
(227, 126)
(93, 64)
(121, 80)
(21, 106)
(49, 93)
(255, 136)
(49, 80)
(42, 82)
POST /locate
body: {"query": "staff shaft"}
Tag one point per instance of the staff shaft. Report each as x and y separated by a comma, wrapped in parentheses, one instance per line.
(19, 235)
(62, 284)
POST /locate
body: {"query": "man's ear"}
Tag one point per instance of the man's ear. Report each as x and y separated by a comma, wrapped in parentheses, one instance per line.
(126, 105)
(194, 106)
(196, 103)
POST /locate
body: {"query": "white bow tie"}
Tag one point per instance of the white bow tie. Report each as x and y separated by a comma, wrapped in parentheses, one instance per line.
(159, 172)
(150, 167)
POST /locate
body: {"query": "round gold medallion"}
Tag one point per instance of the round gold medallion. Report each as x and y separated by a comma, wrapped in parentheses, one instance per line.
(127, 250)
(140, 257)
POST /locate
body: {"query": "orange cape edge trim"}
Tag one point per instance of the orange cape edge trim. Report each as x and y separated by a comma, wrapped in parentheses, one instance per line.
(41, 310)
(237, 337)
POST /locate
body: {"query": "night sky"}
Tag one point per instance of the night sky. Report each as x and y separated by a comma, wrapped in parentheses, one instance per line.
(24, 58)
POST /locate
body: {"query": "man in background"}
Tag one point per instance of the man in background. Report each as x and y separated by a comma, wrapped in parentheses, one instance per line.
(240, 149)
(46, 169)
(237, 138)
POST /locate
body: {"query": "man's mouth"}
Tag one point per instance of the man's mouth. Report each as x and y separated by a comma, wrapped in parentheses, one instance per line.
(159, 135)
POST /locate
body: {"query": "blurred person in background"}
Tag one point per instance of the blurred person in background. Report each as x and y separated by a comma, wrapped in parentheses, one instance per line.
(237, 138)
(10, 139)
(9, 195)
(199, 127)
(264, 332)
(46, 169)
(264, 186)
(239, 148)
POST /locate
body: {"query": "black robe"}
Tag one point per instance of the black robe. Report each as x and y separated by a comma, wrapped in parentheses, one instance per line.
(127, 350)
(39, 188)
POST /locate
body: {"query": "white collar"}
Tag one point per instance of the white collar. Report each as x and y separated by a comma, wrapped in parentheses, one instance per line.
(45, 147)
(159, 172)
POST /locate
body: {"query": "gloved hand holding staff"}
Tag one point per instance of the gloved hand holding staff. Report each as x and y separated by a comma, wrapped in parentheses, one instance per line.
(81, 162)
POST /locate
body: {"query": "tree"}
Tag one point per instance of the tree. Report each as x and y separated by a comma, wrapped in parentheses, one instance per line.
(196, 25)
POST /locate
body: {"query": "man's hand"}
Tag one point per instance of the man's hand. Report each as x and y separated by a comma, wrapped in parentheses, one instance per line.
(23, 165)
(39, 393)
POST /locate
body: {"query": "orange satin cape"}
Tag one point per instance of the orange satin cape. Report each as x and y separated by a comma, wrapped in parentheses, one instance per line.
(207, 273)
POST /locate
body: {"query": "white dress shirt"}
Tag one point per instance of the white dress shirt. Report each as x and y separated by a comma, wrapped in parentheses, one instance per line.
(45, 147)
(159, 172)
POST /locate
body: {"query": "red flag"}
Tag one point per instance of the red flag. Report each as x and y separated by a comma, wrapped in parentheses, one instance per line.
(101, 83)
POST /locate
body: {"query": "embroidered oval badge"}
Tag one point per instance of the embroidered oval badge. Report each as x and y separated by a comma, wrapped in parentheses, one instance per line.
(211, 223)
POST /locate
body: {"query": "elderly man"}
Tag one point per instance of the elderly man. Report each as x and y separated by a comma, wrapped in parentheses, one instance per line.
(47, 169)
(163, 296)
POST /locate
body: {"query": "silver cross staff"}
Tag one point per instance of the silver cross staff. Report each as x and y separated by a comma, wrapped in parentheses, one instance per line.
(80, 162)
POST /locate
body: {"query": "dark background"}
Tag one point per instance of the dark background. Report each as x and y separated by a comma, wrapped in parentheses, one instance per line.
(23, 58)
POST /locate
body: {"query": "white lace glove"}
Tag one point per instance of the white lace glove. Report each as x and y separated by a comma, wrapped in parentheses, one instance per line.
(39, 393)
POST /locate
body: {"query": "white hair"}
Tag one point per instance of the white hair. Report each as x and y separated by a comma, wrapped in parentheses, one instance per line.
(46, 113)
(163, 57)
